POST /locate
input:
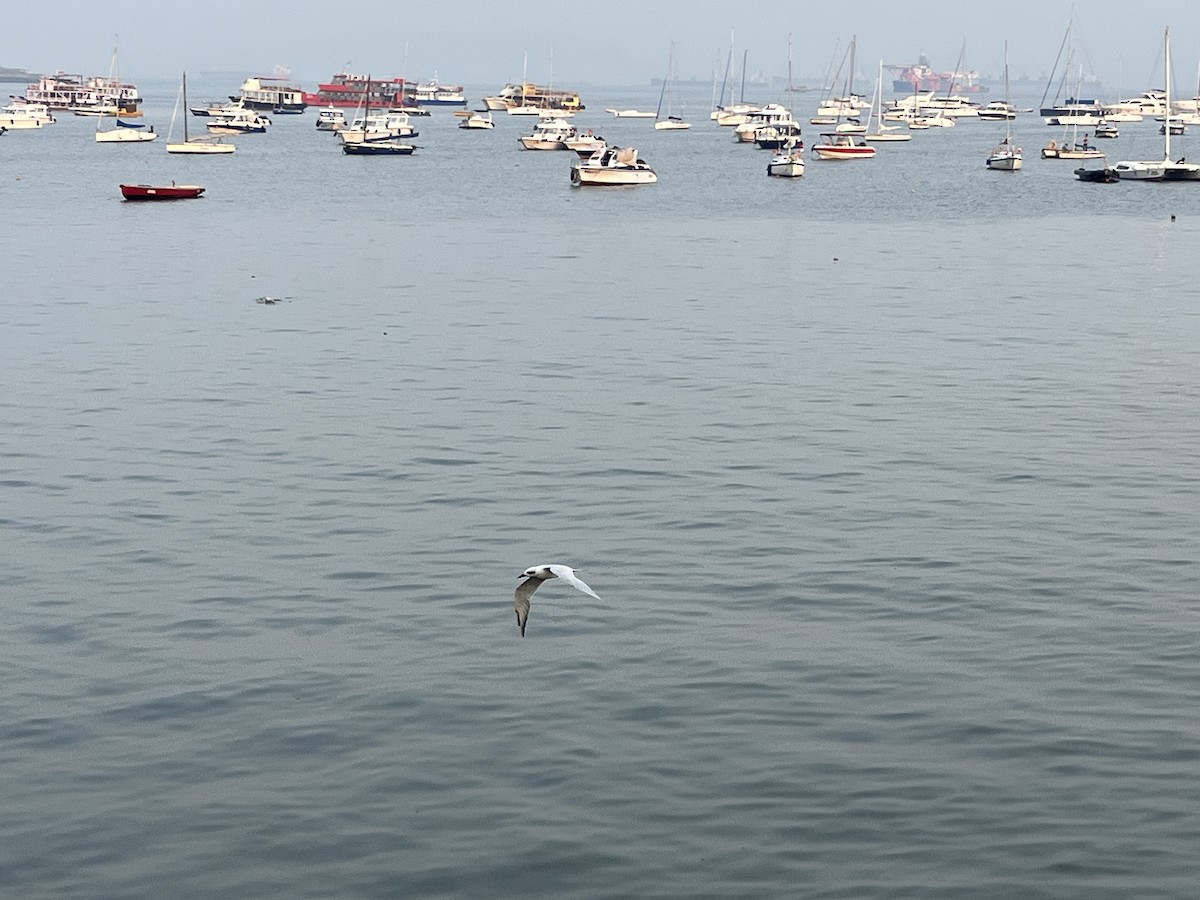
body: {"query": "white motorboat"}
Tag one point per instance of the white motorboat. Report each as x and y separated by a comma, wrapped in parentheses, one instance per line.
(952, 106)
(549, 134)
(18, 116)
(771, 115)
(477, 121)
(1134, 109)
(839, 145)
(630, 113)
(612, 166)
(998, 111)
(585, 143)
(330, 119)
(377, 126)
(238, 121)
(732, 116)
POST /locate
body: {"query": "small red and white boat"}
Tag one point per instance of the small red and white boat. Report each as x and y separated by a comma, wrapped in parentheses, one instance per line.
(842, 145)
(161, 192)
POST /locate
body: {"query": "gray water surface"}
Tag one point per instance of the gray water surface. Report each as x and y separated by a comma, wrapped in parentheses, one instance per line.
(887, 478)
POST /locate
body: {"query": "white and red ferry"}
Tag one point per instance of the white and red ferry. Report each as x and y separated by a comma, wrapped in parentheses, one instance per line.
(346, 90)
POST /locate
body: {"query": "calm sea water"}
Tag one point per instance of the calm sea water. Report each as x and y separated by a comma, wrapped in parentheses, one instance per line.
(887, 477)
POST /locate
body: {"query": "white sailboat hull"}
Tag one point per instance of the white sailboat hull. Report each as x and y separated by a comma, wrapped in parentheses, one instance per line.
(1004, 162)
(124, 136)
(786, 168)
(1139, 171)
(200, 147)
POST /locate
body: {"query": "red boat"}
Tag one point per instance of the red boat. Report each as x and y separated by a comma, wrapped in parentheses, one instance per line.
(349, 91)
(165, 192)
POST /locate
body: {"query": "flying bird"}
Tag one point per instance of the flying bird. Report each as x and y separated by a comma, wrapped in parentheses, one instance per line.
(534, 577)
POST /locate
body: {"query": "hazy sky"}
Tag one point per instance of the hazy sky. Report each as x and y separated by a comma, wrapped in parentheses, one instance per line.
(482, 42)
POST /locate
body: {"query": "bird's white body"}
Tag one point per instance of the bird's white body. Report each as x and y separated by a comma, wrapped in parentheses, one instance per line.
(534, 576)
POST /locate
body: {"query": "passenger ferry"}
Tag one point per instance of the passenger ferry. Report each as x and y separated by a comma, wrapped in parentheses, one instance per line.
(96, 95)
(349, 91)
(514, 96)
(272, 93)
(432, 93)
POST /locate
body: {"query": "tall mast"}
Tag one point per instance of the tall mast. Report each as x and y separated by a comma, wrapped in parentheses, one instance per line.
(1167, 77)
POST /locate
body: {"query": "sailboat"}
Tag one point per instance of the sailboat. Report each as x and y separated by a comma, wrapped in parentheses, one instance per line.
(202, 144)
(1072, 149)
(884, 132)
(368, 141)
(788, 162)
(833, 109)
(850, 105)
(842, 143)
(123, 132)
(670, 123)
(733, 114)
(1005, 157)
(1167, 170)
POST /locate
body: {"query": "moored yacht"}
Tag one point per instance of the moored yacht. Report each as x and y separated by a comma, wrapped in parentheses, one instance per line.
(839, 145)
(377, 126)
(478, 121)
(772, 115)
(19, 116)
(1134, 109)
(1073, 112)
(612, 166)
(998, 111)
(549, 134)
(238, 121)
(330, 119)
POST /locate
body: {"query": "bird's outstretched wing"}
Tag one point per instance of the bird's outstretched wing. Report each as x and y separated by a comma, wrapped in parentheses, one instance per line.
(567, 574)
(521, 600)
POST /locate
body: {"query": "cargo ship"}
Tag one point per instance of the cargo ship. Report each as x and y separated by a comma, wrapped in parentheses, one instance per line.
(920, 78)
